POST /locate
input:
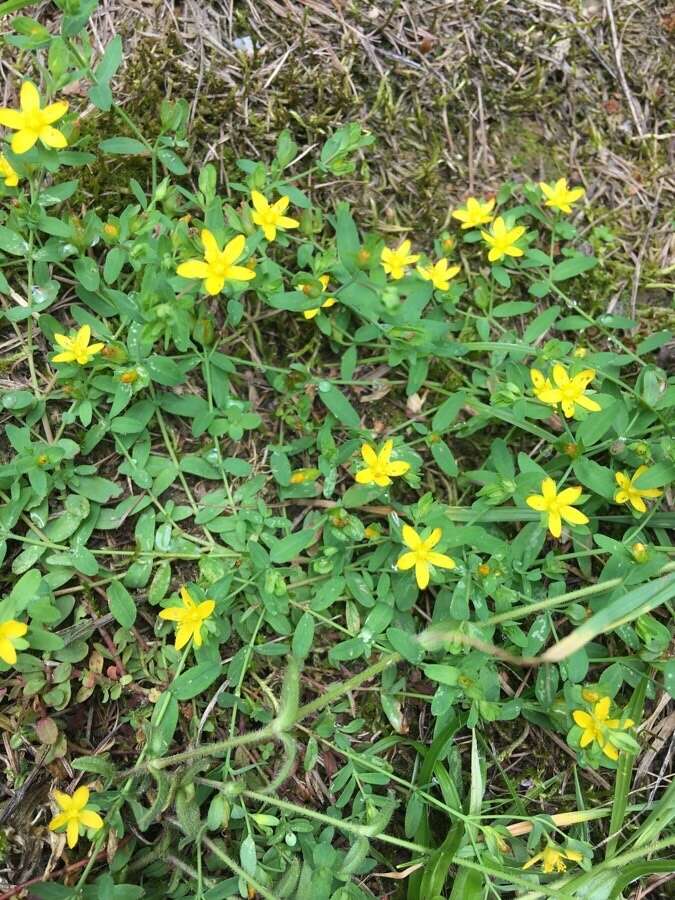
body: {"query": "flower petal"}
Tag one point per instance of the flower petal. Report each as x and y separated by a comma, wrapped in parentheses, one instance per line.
(233, 249)
(397, 468)
(573, 515)
(52, 137)
(239, 273)
(583, 719)
(369, 455)
(411, 537)
(23, 140)
(194, 268)
(560, 375)
(406, 561)
(433, 538)
(183, 635)
(72, 832)
(80, 798)
(422, 574)
(364, 476)
(214, 284)
(569, 495)
(91, 819)
(29, 97)
(54, 112)
(11, 118)
(555, 524)
(536, 501)
(441, 560)
(210, 244)
(7, 652)
(59, 820)
(172, 614)
(260, 203)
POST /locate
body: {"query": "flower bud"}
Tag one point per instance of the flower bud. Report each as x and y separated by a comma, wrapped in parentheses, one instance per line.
(129, 377)
(363, 258)
(639, 552)
(115, 353)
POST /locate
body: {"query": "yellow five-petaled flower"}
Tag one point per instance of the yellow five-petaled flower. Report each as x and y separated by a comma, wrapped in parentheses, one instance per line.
(553, 858)
(596, 724)
(559, 507)
(7, 173)
(77, 348)
(9, 632)
(560, 196)
(190, 618)
(271, 218)
(33, 123)
(74, 813)
(629, 493)
(568, 392)
(394, 262)
(218, 266)
(474, 213)
(439, 274)
(379, 469)
(421, 555)
(327, 303)
(502, 240)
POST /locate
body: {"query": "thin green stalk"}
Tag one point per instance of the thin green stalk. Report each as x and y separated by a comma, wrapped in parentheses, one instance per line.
(588, 591)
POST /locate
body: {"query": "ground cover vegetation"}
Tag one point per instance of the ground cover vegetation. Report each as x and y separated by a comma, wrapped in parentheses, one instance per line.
(308, 527)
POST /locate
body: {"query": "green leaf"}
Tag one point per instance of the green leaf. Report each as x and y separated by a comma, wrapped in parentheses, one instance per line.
(406, 644)
(575, 265)
(86, 272)
(289, 547)
(121, 604)
(442, 454)
(513, 308)
(303, 636)
(447, 412)
(172, 161)
(12, 243)
(336, 402)
(196, 680)
(110, 61)
(123, 146)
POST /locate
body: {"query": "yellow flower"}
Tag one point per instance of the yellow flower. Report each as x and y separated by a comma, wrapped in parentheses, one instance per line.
(378, 467)
(9, 631)
(74, 813)
(372, 532)
(570, 392)
(422, 555)
(394, 262)
(190, 617)
(539, 383)
(580, 352)
(328, 302)
(271, 218)
(32, 123)
(502, 240)
(553, 858)
(596, 724)
(438, 274)
(628, 493)
(559, 507)
(559, 196)
(77, 349)
(218, 266)
(474, 213)
(7, 172)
